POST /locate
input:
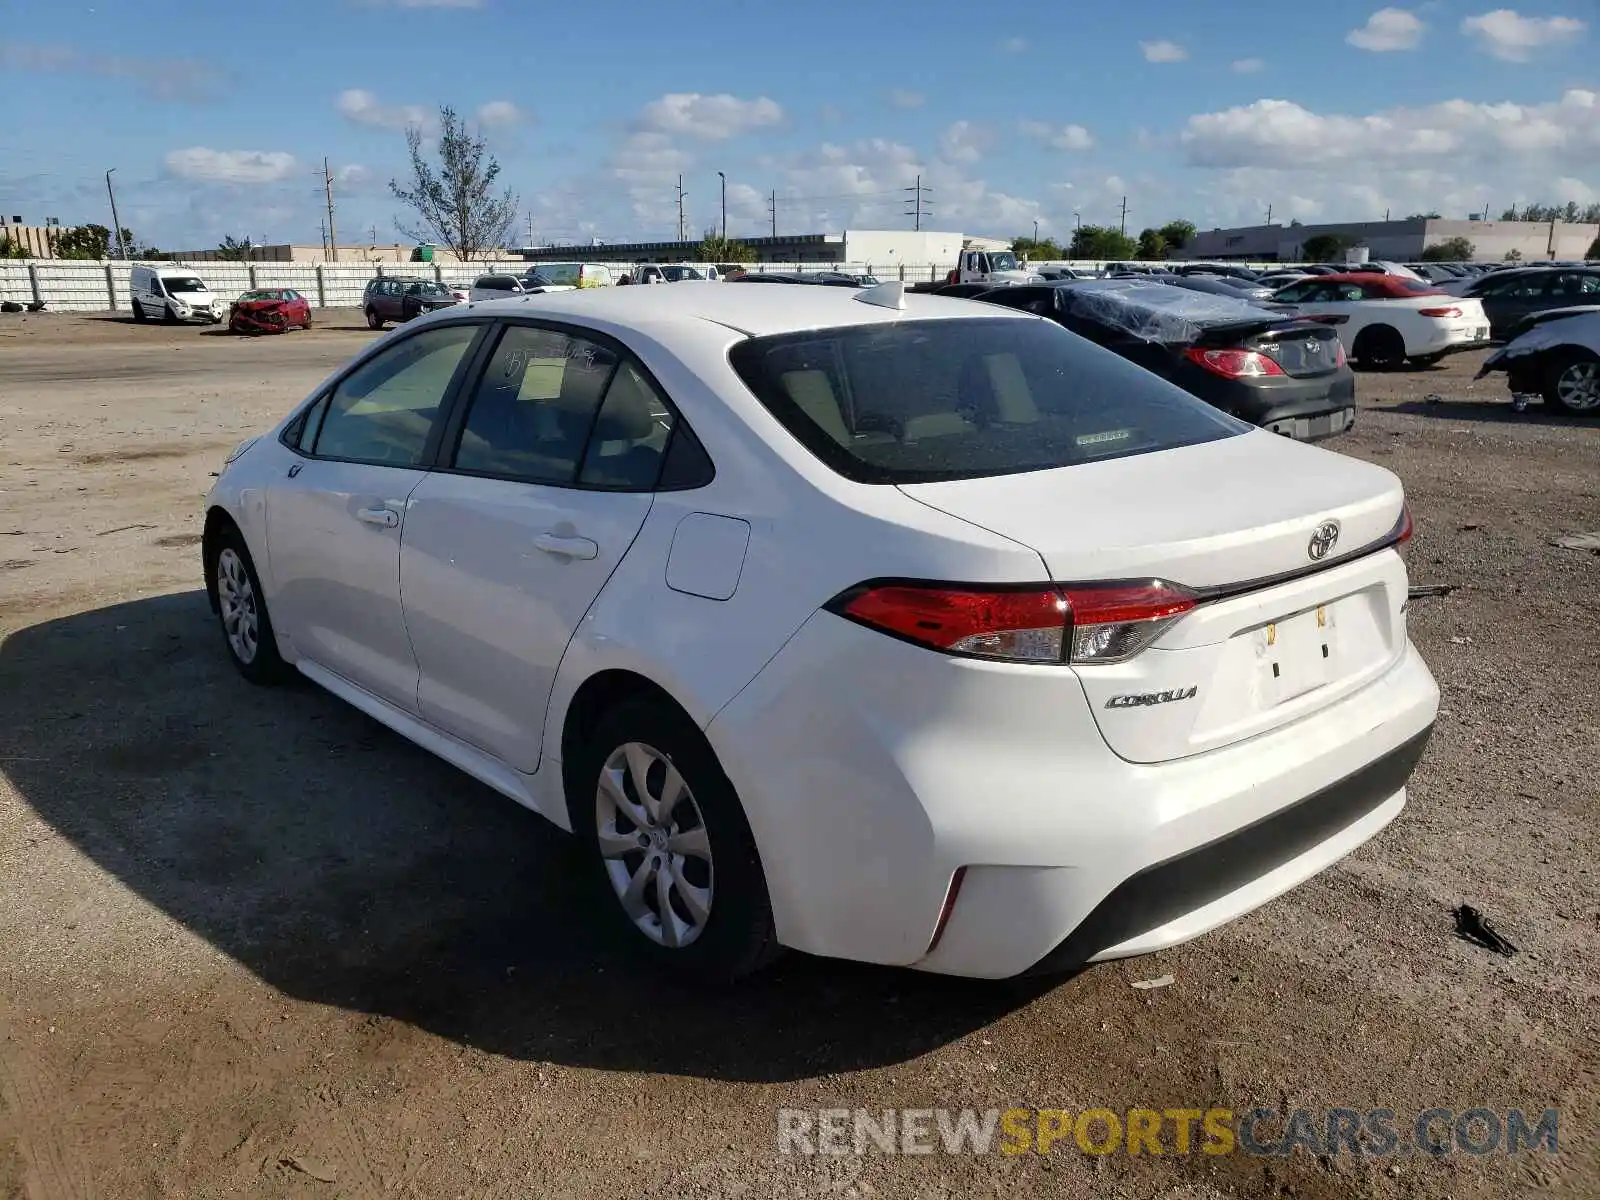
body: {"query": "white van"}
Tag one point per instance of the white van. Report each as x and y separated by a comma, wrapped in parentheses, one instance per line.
(173, 294)
(571, 274)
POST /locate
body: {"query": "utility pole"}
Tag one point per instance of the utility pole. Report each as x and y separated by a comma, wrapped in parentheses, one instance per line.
(915, 200)
(122, 251)
(322, 228)
(682, 236)
(1124, 216)
(724, 179)
(1269, 214)
(1386, 214)
(1036, 231)
(772, 207)
(333, 240)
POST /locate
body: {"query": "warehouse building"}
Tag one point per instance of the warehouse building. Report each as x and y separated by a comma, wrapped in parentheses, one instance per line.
(1401, 241)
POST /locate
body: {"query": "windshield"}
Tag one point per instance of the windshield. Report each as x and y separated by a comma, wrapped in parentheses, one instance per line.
(1003, 262)
(678, 274)
(264, 295)
(182, 283)
(922, 401)
(548, 273)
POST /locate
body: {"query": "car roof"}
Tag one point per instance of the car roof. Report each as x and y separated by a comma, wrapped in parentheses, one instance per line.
(753, 311)
(1394, 286)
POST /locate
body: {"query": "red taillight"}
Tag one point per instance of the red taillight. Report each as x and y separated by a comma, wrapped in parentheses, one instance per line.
(1402, 530)
(1028, 625)
(1338, 352)
(1439, 312)
(1233, 364)
(1079, 623)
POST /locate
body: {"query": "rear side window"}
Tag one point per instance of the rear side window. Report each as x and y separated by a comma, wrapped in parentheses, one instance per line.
(922, 401)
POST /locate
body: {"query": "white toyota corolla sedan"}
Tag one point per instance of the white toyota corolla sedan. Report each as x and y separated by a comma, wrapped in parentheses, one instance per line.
(888, 627)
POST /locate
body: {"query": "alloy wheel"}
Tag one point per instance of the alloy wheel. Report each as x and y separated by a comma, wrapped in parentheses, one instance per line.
(655, 846)
(1578, 387)
(236, 602)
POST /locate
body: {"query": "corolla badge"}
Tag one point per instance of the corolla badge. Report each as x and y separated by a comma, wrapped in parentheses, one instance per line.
(1323, 539)
(1145, 699)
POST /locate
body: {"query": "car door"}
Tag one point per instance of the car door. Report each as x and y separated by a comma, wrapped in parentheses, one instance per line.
(1506, 301)
(336, 516)
(545, 477)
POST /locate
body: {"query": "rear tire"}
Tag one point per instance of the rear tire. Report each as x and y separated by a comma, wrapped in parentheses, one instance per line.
(374, 321)
(1572, 382)
(242, 612)
(1379, 348)
(684, 883)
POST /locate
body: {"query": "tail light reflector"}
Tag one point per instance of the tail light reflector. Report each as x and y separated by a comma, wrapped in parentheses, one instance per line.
(1439, 312)
(950, 895)
(1078, 623)
(1402, 530)
(1233, 364)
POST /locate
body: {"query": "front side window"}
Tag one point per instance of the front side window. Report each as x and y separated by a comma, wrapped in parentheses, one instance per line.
(535, 406)
(383, 411)
(921, 401)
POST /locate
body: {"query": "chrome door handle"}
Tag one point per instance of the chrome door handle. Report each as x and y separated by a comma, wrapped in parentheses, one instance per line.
(387, 517)
(567, 547)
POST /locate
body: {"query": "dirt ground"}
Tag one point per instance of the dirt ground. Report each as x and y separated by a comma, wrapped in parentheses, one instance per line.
(253, 944)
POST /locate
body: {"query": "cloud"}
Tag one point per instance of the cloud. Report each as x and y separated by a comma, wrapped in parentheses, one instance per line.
(1059, 137)
(363, 108)
(1014, 45)
(1278, 132)
(1247, 66)
(1163, 52)
(354, 178)
(901, 98)
(1387, 29)
(202, 165)
(964, 142)
(1512, 37)
(500, 113)
(711, 118)
(165, 79)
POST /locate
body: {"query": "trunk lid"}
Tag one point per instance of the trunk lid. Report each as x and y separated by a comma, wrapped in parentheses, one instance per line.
(1302, 349)
(1275, 637)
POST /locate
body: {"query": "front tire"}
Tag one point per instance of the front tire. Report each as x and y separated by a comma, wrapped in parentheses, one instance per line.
(674, 859)
(242, 611)
(1572, 383)
(138, 313)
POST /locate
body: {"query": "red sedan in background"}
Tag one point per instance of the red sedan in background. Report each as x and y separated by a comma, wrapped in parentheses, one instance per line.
(269, 310)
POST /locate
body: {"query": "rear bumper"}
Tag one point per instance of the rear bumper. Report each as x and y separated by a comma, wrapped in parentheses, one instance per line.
(1285, 405)
(1154, 907)
(872, 770)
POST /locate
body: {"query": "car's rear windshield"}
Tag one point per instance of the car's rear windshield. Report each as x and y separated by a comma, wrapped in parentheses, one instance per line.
(922, 401)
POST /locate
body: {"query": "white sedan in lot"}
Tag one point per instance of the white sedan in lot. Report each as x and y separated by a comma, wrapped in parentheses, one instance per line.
(887, 627)
(1390, 318)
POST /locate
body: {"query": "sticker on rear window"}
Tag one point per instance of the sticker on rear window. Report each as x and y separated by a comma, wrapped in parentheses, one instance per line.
(1098, 439)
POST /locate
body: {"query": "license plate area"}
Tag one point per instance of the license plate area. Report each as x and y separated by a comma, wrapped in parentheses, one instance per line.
(1297, 654)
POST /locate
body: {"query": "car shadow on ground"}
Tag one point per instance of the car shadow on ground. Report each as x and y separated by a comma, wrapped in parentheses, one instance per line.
(1493, 411)
(345, 866)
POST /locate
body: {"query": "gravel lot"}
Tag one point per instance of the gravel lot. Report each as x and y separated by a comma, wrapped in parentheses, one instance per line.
(251, 943)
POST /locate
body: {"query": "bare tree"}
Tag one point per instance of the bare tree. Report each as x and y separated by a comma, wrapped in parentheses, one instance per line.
(455, 203)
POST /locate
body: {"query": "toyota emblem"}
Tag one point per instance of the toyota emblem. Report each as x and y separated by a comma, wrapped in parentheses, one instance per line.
(1323, 540)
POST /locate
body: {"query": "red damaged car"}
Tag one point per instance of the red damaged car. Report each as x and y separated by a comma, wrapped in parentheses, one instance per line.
(269, 310)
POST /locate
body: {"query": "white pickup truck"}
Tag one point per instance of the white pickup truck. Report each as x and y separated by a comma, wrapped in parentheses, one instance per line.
(994, 267)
